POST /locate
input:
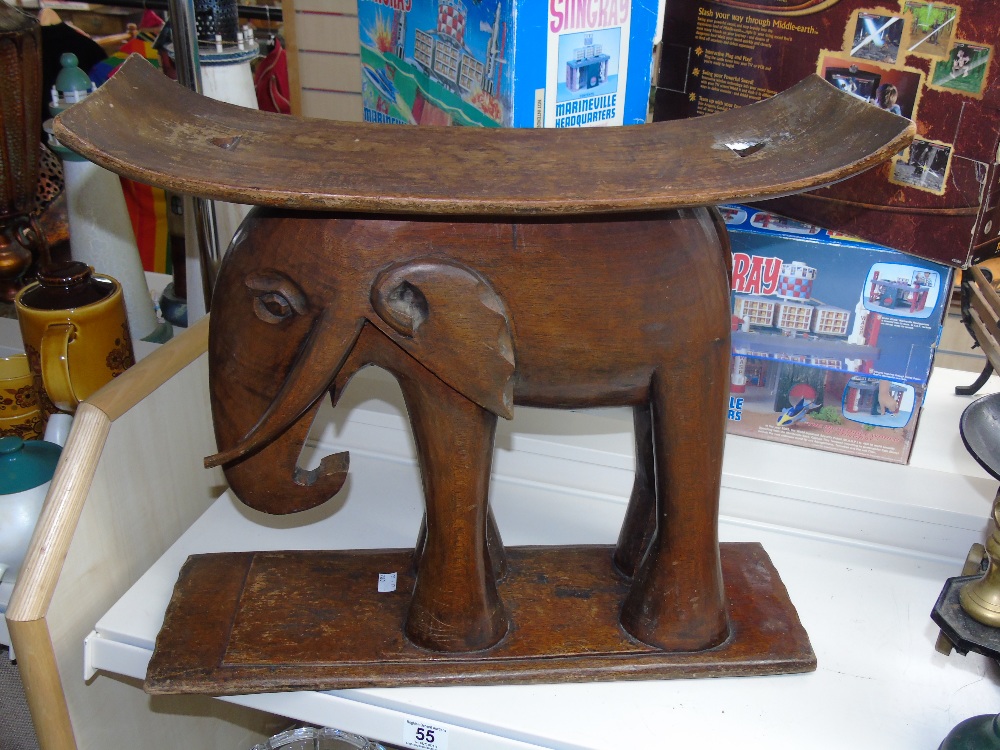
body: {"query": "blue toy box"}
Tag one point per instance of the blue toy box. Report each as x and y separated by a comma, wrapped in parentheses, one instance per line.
(520, 63)
(833, 337)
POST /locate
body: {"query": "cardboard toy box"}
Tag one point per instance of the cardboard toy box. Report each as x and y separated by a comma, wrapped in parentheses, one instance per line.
(833, 337)
(521, 63)
(931, 61)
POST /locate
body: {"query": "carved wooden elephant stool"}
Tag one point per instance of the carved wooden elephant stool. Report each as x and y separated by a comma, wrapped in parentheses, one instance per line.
(472, 318)
(483, 270)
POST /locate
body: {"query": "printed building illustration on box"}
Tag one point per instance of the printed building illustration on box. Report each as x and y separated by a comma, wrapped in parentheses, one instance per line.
(796, 280)
(792, 308)
(589, 68)
(893, 293)
(443, 55)
(833, 338)
(520, 63)
(863, 395)
(436, 62)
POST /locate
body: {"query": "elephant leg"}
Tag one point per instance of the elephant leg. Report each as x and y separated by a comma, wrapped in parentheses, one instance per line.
(455, 605)
(640, 517)
(677, 601)
(458, 554)
(494, 545)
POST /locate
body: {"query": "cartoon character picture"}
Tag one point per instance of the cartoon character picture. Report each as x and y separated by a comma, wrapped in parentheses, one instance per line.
(924, 165)
(925, 278)
(877, 37)
(965, 69)
(931, 26)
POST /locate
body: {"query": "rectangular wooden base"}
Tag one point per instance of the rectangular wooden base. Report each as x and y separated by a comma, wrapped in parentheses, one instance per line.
(303, 620)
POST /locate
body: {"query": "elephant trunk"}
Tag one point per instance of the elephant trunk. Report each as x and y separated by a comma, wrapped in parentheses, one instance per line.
(263, 481)
(260, 463)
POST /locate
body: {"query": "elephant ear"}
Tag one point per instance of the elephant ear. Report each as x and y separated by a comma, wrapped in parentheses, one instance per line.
(453, 322)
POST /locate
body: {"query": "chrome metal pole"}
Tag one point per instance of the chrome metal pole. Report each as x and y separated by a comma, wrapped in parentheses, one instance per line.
(185, 39)
(188, 64)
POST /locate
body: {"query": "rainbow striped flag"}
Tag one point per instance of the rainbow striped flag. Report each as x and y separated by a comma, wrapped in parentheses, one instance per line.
(147, 205)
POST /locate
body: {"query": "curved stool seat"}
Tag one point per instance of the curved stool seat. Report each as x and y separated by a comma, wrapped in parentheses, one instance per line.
(808, 136)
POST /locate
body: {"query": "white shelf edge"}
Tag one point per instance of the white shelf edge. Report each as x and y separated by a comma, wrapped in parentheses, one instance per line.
(926, 526)
(116, 657)
(328, 709)
(380, 713)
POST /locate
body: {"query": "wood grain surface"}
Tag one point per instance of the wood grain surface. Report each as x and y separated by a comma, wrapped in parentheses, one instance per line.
(270, 621)
(145, 126)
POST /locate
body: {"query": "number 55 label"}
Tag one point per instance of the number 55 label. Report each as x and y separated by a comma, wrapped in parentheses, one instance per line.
(424, 736)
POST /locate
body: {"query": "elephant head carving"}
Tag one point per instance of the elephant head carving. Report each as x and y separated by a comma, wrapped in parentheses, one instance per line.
(282, 337)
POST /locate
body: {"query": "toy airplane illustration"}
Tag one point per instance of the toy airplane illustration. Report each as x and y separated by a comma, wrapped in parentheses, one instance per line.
(796, 413)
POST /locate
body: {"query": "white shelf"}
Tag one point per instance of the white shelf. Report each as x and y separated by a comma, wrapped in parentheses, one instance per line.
(863, 548)
(11, 344)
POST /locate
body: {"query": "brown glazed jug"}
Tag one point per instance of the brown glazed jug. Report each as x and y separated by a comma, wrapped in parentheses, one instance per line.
(75, 333)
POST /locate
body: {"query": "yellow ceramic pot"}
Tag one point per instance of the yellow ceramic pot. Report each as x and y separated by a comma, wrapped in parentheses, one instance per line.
(76, 349)
(20, 413)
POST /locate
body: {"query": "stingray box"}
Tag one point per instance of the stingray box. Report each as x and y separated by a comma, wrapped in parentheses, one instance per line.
(833, 338)
(933, 62)
(521, 63)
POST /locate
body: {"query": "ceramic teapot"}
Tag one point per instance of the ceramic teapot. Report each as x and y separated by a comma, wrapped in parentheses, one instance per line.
(26, 469)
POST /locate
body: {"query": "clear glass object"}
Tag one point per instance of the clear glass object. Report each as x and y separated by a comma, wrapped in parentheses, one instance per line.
(313, 738)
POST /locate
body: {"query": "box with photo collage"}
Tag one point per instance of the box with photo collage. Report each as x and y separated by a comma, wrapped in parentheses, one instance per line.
(933, 61)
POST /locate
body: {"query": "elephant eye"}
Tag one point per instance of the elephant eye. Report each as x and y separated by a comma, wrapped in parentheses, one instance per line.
(272, 307)
(277, 297)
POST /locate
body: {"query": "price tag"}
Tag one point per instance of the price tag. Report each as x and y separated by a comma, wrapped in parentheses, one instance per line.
(386, 582)
(424, 736)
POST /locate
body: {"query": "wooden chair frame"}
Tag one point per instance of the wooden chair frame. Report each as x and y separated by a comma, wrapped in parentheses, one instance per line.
(980, 313)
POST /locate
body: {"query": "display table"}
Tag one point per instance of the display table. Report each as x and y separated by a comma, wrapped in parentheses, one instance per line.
(862, 546)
